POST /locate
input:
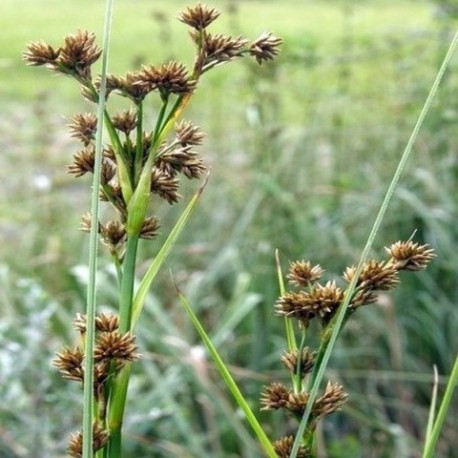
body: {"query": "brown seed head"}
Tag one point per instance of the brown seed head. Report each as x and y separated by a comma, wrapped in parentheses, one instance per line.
(78, 54)
(331, 401)
(83, 127)
(290, 360)
(188, 134)
(149, 228)
(410, 256)
(302, 273)
(40, 53)
(113, 345)
(104, 322)
(83, 162)
(164, 185)
(99, 437)
(374, 276)
(129, 86)
(319, 301)
(170, 78)
(220, 48)
(297, 402)
(180, 160)
(125, 121)
(284, 446)
(274, 396)
(69, 362)
(113, 234)
(198, 17)
(266, 47)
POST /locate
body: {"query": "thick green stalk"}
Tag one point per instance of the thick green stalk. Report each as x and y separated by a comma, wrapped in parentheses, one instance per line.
(88, 395)
(127, 283)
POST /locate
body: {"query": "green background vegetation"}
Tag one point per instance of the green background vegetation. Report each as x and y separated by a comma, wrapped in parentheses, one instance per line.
(301, 153)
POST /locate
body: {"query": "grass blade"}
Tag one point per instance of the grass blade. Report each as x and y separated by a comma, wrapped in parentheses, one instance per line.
(93, 244)
(432, 438)
(228, 379)
(378, 221)
(159, 260)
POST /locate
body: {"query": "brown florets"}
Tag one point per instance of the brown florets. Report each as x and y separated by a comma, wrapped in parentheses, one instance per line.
(164, 185)
(410, 256)
(332, 400)
(375, 275)
(170, 78)
(104, 322)
(83, 127)
(99, 437)
(321, 301)
(114, 345)
(125, 121)
(275, 396)
(69, 362)
(221, 48)
(149, 228)
(198, 17)
(40, 53)
(83, 162)
(290, 360)
(302, 273)
(181, 160)
(77, 55)
(284, 446)
(188, 134)
(266, 47)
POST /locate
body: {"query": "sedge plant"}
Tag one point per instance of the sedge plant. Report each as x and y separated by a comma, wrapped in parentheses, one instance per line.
(141, 164)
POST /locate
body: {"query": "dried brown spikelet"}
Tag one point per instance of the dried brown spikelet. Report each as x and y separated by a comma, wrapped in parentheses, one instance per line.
(198, 17)
(149, 228)
(83, 127)
(297, 402)
(375, 275)
(78, 54)
(275, 396)
(40, 53)
(113, 233)
(220, 48)
(164, 185)
(99, 440)
(170, 78)
(83, 162)
(302, 273)
(125, 121)
(180, 160)
(331, 401)
(290, 360)
(266, 47)
(128, 86)
(104, 322)
(319, 301)
(188, 134)
(410, 256)
(284, 446)
(69, 362)
(114, 345)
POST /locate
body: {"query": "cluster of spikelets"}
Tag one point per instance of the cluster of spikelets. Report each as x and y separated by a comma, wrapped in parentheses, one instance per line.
(312, 301)
(136, 164)
(111, 353)
(156, 157)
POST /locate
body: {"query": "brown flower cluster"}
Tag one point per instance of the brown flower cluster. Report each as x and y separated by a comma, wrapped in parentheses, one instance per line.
(111, 353)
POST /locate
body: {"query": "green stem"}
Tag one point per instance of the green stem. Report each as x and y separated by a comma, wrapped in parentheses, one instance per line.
(127, 284)
(138, 164)
(445, 404)
(116, 413)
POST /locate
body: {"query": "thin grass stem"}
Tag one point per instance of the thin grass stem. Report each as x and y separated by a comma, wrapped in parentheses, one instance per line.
(339, 319)
(88, 395)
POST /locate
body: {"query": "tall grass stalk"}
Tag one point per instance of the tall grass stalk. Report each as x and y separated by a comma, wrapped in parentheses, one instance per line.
(136, 165)
(88, 392)
(329, 342)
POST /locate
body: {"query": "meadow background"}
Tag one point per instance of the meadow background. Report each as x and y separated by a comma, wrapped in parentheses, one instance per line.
(301, 153)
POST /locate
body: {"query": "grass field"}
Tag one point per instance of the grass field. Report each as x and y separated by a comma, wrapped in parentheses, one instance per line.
(301, 155)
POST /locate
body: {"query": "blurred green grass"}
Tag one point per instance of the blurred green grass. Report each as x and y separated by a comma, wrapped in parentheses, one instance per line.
(301, 153)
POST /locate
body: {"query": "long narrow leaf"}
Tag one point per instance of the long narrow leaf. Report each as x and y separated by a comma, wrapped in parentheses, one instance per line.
(431, 441)
(432, 407)
(387, 199)
(93, 244)
(230, 382)
(159, 260)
